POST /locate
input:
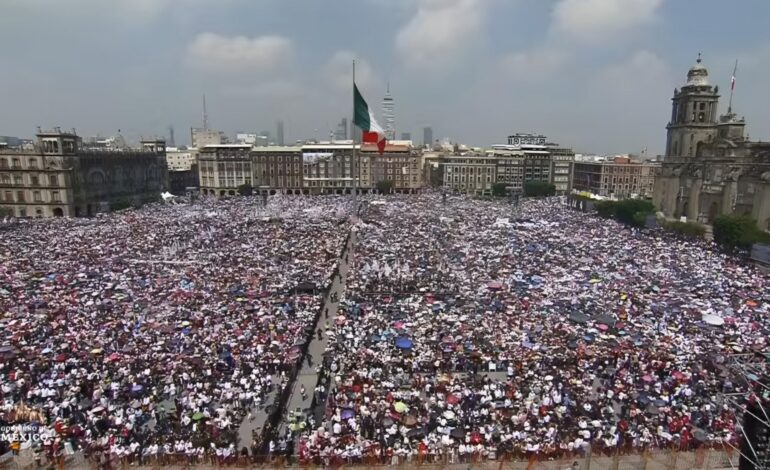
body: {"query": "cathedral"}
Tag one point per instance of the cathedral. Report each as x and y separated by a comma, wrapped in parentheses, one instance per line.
(710, 166)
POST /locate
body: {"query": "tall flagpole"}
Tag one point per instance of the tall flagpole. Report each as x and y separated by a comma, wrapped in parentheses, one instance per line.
(732, 88)
(354, 165)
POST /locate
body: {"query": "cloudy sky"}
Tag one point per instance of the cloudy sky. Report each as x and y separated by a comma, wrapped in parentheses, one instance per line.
(593, 74)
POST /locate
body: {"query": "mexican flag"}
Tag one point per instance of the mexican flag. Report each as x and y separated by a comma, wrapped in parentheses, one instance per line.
(364, 119)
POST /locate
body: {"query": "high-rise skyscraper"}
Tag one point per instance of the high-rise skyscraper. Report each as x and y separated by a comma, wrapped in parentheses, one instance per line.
(427, 136)
(388, 115)
(342, 130)
(279, 133)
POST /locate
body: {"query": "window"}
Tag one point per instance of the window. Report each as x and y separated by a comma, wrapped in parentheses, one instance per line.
(3, 163)
(35, 181)
(53, 180)
(36, 196)
(33, 163)
(6, 179)
(22, 212)
(9, 196)
(17, 180)
(16, 163)
(20, 196)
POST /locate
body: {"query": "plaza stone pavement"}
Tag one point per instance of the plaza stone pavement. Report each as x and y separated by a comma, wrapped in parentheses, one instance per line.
(259, 414)
(308, 375)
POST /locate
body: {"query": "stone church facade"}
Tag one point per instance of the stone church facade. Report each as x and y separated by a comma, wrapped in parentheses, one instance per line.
(710, 166)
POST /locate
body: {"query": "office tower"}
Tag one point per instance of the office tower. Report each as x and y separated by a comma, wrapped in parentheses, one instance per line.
(427, 136)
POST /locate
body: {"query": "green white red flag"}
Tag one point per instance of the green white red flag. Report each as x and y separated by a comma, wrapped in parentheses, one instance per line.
(364, 119)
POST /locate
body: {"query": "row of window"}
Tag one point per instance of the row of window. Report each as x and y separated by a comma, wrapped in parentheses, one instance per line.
(37, 196)
(469, 169)
(462, 179)
(34, 180)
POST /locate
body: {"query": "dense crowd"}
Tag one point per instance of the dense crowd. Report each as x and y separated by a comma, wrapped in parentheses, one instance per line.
(473, 330)
(157, 331)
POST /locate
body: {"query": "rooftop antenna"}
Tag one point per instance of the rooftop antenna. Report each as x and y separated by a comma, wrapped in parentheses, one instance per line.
(205, 115)
(732, 88)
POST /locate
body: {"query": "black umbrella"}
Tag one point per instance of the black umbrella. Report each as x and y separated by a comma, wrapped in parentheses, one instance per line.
(417, 433)
(457, 433)
(578, 317)
(605, 320)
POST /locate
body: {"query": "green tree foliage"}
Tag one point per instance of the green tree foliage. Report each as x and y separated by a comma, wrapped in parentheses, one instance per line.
(538, 189)
(685, 229)
(628, 211)
(738, 231)
(245, 190)
(606, 209)
(384, 186)
(498, 190)
(633, 211)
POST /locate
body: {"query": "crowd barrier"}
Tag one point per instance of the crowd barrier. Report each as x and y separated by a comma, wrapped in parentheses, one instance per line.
(704, 459)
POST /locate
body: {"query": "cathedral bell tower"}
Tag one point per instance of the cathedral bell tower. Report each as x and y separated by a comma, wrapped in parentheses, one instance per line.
(693, 114)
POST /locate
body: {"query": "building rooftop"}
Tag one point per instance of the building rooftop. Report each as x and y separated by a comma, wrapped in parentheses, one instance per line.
(227, 146)
(388, 148)
(277, 148)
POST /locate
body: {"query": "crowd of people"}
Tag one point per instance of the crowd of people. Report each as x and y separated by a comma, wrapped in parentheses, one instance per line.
(471, 329)
(158, 331)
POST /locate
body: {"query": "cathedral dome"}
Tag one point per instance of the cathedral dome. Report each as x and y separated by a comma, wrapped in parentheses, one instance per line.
(697, 75)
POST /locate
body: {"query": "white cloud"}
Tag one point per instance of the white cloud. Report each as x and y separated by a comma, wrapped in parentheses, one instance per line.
(265, 55)
(642, 70)
(440, 32)
(593, 20)
(534, 65)
(338, 73)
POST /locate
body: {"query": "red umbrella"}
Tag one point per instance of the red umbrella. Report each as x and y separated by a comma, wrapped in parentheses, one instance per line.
(602, 327)
(114, 357)
(453, 399)
(61, 358)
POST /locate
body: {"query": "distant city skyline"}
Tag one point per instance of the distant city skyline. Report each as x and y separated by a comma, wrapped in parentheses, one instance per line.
(593, 74)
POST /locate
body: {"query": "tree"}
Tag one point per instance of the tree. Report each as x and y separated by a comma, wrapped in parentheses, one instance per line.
(738, 231)
(499, 190)
(606, 209)
(384, 186)
(633, 211)
(685, 229)
(628, 211)
(245, 190)
(539, 189)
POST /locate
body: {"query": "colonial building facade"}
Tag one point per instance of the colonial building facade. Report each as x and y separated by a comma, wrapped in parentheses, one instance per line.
(619, 178)
(224, 169)
(58, 177)
(710, 167)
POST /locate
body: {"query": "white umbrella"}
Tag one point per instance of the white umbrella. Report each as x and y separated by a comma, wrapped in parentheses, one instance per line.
(714, 320)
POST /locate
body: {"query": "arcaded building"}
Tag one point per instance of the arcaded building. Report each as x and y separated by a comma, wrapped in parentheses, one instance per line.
(59, 177)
